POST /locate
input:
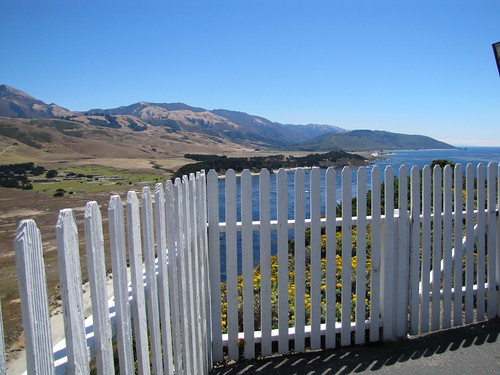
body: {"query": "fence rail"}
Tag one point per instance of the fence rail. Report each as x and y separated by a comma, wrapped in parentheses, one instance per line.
(409, 255)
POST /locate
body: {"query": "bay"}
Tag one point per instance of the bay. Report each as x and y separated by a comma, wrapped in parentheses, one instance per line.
(420, 158)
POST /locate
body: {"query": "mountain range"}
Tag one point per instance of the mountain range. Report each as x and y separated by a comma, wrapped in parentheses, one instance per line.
(181, 122)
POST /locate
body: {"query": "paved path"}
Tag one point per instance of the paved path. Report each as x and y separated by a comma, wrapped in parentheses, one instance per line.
(473, 349)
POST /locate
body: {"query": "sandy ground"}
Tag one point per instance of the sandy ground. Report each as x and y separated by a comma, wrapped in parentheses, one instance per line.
(17, 363)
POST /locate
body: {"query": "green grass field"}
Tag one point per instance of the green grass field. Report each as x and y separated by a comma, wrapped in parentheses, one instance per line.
(128, 179)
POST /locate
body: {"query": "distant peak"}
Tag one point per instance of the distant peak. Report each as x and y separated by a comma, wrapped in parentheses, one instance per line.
(13, 91)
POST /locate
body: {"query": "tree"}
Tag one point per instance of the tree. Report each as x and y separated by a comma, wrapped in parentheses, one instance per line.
(442, 163)
(51, 173)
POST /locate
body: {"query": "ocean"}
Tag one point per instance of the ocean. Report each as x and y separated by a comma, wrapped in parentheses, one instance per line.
(420, 158)
(473, 155)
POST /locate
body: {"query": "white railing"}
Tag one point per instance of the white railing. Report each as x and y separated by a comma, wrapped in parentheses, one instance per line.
(428, 236)
(168, 289)
(420, 265)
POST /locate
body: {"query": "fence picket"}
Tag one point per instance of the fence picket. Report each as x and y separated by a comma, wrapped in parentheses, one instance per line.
(447, 245)
(299, 257)
(34, 303)
(188, 263)
(184, 311)
(174, 299)
(214, 262)
(3, 362)
(481, 225)
(426, 250)
(265, 261)
(183, 248)
(497, 271)
(151, 288)
(282, 234)
(195, 271)
(247, 263)
(203, 255)
(346, 294)
(414, 298)
(231, 265)
(436, 255)
(137, 276)
(360, 257)
(71, 293)
(120, 284)
(331, 261)
(402, 252)
(470, 240)
(458, 246)
(315, 195)
(94, 242)
(163, 283)
(491, 238)
(388, 262)
(375, 257)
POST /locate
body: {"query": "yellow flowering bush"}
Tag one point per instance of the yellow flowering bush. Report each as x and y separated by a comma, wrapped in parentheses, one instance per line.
(257, 278)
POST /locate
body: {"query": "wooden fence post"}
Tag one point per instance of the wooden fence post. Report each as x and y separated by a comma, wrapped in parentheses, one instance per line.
(447, 245)
(437, 201)
(3, 366)
(375, 273)
(346, 294)
(282, 239)
(459, 249)
(402, 249)
(497, 273)
(231, 265)
(151, 282)
(492, 238)
(426, 250)
(163, 282)
(388, 262)
(173, 277)
(360, 256)
(300, 260)
(137, 276)
(247, 263)
(214, 261)
(469, 250)
(71, 292)
(414, 297)
(94, 242)
(118, 252)
(265, 260)
(315, 210)
(34, 304)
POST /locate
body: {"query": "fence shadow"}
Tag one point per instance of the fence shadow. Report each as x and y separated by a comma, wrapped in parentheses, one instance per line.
(373, 357)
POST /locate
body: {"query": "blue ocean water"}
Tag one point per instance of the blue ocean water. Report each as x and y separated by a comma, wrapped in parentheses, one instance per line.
(473, 155)
(420, 158)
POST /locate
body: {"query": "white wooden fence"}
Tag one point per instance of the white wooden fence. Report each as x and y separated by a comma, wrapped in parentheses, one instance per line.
(169, 289)
(428, 263)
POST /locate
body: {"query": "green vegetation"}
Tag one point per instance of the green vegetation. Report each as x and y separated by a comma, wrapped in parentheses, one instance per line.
(223, 163)
(93, 179)
(16, 175)
(362, 140)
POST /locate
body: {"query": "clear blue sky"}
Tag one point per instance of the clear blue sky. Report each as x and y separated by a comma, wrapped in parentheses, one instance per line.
(416, 67)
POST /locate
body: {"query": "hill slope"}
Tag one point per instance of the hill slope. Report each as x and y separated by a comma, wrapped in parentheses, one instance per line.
(181, 121)
(367, 140)
(15, 103)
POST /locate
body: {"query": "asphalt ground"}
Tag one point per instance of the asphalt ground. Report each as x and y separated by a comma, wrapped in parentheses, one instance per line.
(471, 349)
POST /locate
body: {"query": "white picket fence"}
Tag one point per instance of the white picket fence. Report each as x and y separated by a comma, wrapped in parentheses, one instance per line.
(168, 289)
(432, 264)
(429, 263)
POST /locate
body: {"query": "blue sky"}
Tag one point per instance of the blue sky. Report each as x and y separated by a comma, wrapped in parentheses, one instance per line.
(416, 67)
